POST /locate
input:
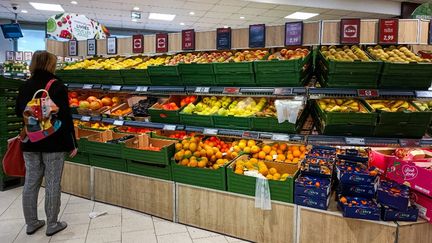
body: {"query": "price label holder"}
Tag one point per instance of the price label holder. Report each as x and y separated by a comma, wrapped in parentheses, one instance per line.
(202, 89)
(251, 135)
(87, 86)
(6, 74)
(368, 93)
(210, 131)
(115, 87)
(85, 118)
(355, 141)
(409, 142)
(280, 137)
(423, 94)
(169, 127)
(231, 90)
(118, 122)
(141, 89)
(20, 74)
(283, 91)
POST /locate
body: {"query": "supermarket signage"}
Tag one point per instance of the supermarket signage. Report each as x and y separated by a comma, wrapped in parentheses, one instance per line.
(430, 33)
(161, 42)
(10, 56)
(115, 87)
(118, 122)
(19, 56)
(294, 34)
(210, 131)
(355, 141)
(91, 47)
(350, 31)
(202, 89)
(85, 118)
(280, 137)
(231, 90)
(87, 86)
(282, 91)
(252, 135)
(388, 31)
(169, 127)
(406, 142)
(367, 92)
(188, 39)
(137, 43)
(257, 35)
(223, 38)
(28, 55)
(141, 89)
(111, 45)
(73, 48)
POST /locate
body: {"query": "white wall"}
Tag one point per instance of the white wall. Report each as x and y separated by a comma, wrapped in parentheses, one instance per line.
(5, 44)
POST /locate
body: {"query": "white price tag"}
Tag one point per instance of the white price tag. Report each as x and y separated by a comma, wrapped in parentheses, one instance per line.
(210, 131)
(280, 137)
(115, 87)
(118, 122)
(202, 89)
(141, 89)
(169, 127)
(87, 86)
(85, 118)
(20, 74)
(6, 74)
(355, 141)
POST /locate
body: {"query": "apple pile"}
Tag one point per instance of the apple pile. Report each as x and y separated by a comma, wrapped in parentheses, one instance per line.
(285, 54)
(187, 100)
(92, 102)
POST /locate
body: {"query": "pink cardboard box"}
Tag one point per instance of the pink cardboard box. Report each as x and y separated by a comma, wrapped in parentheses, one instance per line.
(416, 175)
(381, 157)
(424, 204)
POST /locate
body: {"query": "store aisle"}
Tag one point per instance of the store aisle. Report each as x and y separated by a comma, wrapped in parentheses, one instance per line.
(119, 225)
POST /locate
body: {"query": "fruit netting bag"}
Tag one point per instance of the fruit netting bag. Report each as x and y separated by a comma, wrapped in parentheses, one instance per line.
(288, 110)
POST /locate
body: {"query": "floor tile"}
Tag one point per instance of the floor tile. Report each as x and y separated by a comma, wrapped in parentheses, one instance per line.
(78, 231)
(127, 213)
(177, 238)
(234, 240)
(38, 237)
(85, 207)
(82, 240)
(166, 227)
(101, 207)
(196, 233)
(106, 221)
(137, 223)
(13, 212)
(139, 237)
(9, 229)
(104, 235)
(214, 239)
(75, 200)
(76, 218)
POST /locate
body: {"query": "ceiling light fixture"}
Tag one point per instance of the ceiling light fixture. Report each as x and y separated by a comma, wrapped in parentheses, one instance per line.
(301, 15)
(182, 23)
(136, 8)
(74, 2)
(164, 17)
(192, 13)
(242, 17)
(226, 26)
(134, 20)
(24, 11)
(47, 7)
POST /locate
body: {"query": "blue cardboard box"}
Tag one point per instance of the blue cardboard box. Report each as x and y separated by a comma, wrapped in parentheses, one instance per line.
(393, 195)
(365, 191)
(356, 175)
(390, 214)
(318, 188)
(352, 155)
(311, 202)
(359, 208)
(317, 166)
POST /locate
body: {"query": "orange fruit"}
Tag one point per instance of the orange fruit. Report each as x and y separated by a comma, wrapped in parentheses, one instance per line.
(247, 150)
(302, 155)
(253, 160)
(242, 145)
(237, 148)
(178, 146)
(240, 172)
(213, 158)
(290, 157)
(263, 170)
(251, 143)
(294, 147)
(261, 155)
(270, 177)
(255, 156)
(280, 157)
(276, 176)
(255, 149)
(272, 171)
(187, 154)
(192, 147)
(202, 164)
(269, 158)
(276, 145)
(296, 153)
(197, 154)
(279, 151)
(295, 160)
(179, 155)
(288, 161)
(283, 147)
(184, 162)
(234, 155)
(209, 152)
(267, 149)
(302, 148)
(193, 163)
(218, 155)
(216, 166)
(273, 153)
(203, 153)
(186, 146)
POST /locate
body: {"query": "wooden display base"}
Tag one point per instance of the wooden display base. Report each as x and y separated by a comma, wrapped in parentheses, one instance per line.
(76, 180)
(235, 215)
(144, 194)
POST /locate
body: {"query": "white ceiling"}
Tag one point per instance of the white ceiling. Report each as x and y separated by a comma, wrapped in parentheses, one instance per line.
(209, 14)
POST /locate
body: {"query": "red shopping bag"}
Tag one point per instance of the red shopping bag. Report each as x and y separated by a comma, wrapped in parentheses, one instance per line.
(13, 160)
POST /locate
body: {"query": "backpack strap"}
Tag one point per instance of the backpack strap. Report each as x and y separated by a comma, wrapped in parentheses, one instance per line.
(47, 87)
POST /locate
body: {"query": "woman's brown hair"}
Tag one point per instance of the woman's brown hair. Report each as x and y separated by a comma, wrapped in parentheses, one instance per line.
(43, 60)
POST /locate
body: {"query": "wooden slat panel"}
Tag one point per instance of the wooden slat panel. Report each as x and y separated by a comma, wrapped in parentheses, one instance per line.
(56, 47)
(150, 44)
(76, 180)
(174, 42)
(415, 232)
(279, 224)
(330, 32)
(424, 31)
(275, 36)
(82, 48)
(369, 31)
(101, 47)
(311, 33)
(205, 40)
(124, 46)
(408, 30)
(143, 194)
(240, 38)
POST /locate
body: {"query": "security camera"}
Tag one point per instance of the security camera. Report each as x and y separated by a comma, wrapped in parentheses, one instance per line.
(15, 6)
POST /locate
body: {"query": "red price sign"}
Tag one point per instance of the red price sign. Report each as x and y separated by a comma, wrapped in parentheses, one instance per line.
(161, 42)
(388, 31)
(138, 43)
(188, 39)
(350, 31)
(231, 90)
(368, 92)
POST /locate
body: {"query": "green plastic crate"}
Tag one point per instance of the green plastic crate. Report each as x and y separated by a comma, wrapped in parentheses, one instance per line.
(235, 79)
(271, 124)
(106, 76)
(405, 117)
(96, 144)
(402, 69)
(335, 118)
(281, 79)
(233, 68)
(80, 158)
(279, 190)
(349, 81)
(232, 122)
(281, 66)
(345, 129)
(135, 76)
(164, 116)
(150, 170)
(196, 68)
(196, 120)
(352, 68)
(401, 81)
(199, 79)
(108, 162)
(203, 177)
(162, 157)
(164, 75)
(400, 130)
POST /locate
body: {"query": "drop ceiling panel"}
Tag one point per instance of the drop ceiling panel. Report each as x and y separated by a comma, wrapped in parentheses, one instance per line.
(233, 3)
(252, 11)
(225, 8)
(198, 6)
(277, 13)
(217, 15)
(261, 5)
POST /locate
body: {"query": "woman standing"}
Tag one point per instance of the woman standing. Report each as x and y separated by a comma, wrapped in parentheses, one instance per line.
(45, 158)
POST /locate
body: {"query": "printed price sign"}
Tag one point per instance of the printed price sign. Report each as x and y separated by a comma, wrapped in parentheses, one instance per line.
(388, 31)
(257, 35)
(138, 43)
(111, 45)
(141, 89)
(169, 127)
(118, 122)
(91, 47)
(87, 86)
(409, 142)
(283, 91)
(280, 137)
(223, 38)
(85, 118)
(350, 31)
(210, 131)
(252, 135)
(368, 93)
(355, 141)
(423, 94)
(161, 42)
(73, 48)
(294, 34)
(188, 39)
(19, 56)
(9, 56)
(115, 87)
(202, 89)
(28, 56)
(231, 90)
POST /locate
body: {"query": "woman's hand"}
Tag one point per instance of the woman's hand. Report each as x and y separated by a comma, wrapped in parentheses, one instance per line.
(73, 153)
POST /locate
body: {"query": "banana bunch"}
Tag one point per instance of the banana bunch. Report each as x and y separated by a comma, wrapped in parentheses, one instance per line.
(391, 105)
(341, 105)
(154, 61)
(345, 53)
(423, 105)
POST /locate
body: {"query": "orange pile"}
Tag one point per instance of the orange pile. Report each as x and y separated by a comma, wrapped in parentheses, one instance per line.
(254, 164)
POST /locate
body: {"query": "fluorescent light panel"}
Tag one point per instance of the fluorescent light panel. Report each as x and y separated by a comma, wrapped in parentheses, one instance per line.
(47, 7)
(301, 15)
(159, 16)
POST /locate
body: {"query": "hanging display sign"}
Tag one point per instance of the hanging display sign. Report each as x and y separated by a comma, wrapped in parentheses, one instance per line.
(74, 27)
(10, 56)
(388, 31)
(423, 11)
(137, 43)
(223, 38)
(28, 55)
(73, 48)
(111, 45)
(19, 56)
(257, 35)
(161, 42)
(188, 39)
(294, 34)
(91, 47)
(350, 31)
(430, 33)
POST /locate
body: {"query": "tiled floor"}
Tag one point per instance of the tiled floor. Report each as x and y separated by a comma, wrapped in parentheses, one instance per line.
(118, 225)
